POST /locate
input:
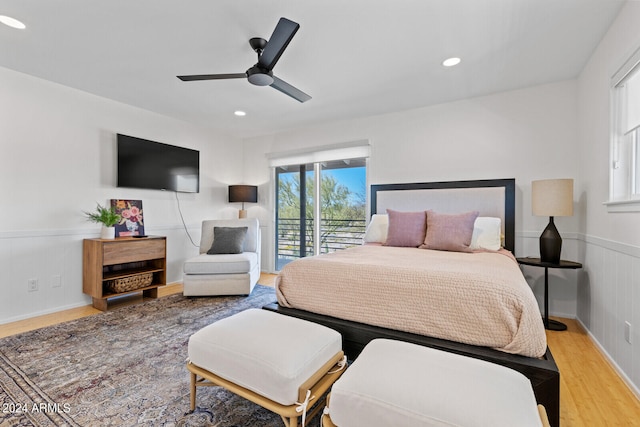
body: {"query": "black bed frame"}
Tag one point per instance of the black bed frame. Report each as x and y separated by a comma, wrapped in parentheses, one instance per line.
(543, 373)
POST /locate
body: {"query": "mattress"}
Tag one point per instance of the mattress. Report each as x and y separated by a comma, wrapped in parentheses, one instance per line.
(478, 298)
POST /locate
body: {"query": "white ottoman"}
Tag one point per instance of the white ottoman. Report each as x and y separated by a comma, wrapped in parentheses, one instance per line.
(394, 383)
(282, 363)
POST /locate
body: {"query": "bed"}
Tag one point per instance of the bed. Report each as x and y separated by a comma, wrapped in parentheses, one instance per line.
(364, 298)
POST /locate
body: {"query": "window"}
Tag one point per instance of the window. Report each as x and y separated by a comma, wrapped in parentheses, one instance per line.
(624, 191)
(320, 205)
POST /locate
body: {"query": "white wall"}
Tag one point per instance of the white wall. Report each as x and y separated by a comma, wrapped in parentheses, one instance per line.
(609, 290)
(525, 134)
(58, 158)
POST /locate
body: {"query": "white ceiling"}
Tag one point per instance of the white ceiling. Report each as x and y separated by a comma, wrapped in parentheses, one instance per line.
(355, 58)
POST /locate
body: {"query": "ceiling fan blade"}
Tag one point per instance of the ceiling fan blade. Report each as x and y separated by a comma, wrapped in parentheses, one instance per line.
(287, 89)
(212, 77)
(282, 35)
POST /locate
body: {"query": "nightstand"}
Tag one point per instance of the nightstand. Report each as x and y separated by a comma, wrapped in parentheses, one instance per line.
(552, 325)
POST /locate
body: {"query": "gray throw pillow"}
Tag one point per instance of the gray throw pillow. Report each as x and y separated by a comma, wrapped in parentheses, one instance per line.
(227, 240)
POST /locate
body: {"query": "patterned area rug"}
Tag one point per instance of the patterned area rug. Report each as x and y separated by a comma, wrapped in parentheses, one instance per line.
(125, 367)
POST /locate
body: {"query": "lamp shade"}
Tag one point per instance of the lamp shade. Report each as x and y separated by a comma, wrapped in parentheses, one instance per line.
(243, 193)
(552, 197)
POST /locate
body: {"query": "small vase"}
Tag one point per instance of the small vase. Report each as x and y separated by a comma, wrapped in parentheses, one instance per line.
(108, 233)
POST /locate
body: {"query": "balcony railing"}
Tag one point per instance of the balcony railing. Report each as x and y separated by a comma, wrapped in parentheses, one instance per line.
(335, 235)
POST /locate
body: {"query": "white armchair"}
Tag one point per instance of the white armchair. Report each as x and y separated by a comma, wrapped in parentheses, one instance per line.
(224, 274)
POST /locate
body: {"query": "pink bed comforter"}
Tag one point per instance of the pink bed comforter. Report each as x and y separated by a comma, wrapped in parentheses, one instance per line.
(474, 298)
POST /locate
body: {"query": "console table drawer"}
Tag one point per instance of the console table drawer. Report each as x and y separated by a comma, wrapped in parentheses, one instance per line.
(134, 250)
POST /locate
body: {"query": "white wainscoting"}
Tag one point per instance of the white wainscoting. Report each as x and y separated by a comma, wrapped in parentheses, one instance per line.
(608, 294)
(601, 296)
(46, 254)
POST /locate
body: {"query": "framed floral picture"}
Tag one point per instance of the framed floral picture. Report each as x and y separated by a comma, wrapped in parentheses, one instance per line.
(131, 223)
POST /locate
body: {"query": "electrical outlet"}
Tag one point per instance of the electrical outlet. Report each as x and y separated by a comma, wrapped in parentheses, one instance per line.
(627, 332)
(32, 285)
(56, 281)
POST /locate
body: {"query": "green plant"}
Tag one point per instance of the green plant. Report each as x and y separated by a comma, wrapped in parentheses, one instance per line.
(105, 216)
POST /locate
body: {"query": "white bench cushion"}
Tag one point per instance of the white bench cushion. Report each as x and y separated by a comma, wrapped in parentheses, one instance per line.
(221, 264)
(393, 383)
(268, 353)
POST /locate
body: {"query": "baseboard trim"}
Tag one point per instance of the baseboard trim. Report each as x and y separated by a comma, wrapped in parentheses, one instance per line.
(44, 312)
(54, 310)
(635, 390)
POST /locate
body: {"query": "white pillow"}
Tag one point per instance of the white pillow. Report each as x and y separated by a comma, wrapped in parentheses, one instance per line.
(377, 229)
(486, 234)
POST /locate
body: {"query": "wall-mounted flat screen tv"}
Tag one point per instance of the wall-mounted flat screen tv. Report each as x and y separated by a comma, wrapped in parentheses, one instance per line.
(154, 165)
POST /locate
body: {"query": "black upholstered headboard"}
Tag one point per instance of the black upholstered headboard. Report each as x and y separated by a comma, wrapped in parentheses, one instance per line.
(491, 197)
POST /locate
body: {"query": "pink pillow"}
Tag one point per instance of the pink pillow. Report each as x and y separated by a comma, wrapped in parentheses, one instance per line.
(406, 229)
(449, 232)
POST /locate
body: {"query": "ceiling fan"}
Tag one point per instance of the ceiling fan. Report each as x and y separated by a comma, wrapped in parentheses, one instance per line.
(269, 52)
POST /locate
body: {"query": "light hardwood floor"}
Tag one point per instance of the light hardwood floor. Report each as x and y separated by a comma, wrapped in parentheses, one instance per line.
(591, 392)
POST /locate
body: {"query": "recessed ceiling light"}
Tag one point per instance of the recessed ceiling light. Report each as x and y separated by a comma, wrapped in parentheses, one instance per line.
(451, 62)
(12, 22)
(240, 113)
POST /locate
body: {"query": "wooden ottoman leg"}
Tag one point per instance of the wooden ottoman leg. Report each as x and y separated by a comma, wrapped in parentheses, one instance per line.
(193, 391)
(290, 421)
(543, 416)
(326, 419)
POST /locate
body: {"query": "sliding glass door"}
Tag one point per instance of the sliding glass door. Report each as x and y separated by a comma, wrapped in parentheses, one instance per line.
(304, 227)
(294, 213)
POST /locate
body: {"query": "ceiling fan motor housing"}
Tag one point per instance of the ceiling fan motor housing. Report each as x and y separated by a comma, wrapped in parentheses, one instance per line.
(259, 76)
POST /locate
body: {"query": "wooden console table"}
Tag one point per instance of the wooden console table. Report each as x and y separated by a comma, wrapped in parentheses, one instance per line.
(106, 260)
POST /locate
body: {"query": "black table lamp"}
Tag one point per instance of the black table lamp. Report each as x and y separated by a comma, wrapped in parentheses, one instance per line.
(551, 197)
(243, 193)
